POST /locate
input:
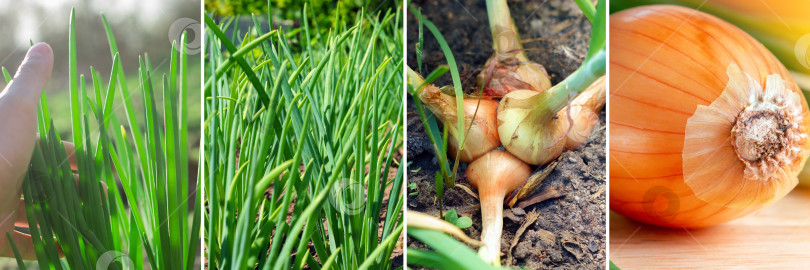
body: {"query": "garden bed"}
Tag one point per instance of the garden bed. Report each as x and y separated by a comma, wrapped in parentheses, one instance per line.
(570, 230)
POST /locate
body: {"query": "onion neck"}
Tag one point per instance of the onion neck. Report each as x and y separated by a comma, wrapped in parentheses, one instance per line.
(594, 98)
(548, 103)
(494, 174)
(414, 79)
(441, 105)
(492, 226)
(504, 33)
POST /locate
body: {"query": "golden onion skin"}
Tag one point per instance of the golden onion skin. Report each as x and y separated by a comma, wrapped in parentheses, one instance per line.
(483, 134)
(672, 69)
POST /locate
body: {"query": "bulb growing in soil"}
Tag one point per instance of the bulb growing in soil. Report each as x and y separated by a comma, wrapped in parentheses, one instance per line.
(495, 174)
(483, 135)
(508, 69)
(528, 122)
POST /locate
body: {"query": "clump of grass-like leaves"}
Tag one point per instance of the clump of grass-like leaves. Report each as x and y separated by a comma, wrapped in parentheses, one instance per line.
(146, 155)
(300, 139)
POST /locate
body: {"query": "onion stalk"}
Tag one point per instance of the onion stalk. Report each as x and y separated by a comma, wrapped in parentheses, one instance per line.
(528, 122)
(425, 221)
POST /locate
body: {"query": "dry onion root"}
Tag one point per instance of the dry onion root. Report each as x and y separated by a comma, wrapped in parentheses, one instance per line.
(706, 124)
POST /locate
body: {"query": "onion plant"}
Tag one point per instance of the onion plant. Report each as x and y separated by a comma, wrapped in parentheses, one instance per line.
(302, 130)
(528, 116)
(152, 220)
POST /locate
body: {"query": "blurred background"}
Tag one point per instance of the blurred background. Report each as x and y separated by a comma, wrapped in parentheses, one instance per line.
(140, 27)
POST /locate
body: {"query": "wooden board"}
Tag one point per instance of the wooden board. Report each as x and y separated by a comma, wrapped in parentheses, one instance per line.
(778, 237)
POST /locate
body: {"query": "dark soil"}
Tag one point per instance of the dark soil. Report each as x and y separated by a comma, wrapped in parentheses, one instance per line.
(570, 232)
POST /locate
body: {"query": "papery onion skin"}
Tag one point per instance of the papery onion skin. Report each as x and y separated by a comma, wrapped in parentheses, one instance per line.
(584, 110)
(666, 62)
(483, 135)
(511, 71)
(508, 69)
(495, 174)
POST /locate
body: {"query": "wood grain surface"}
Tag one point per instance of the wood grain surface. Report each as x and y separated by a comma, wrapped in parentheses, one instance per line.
(777, 237)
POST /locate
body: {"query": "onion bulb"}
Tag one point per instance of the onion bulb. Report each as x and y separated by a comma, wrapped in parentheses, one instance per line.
(529, 124)
(495, 174)
(508, 69)
(706, 125)
(782, 26)
(584, 110)
(483, 134)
